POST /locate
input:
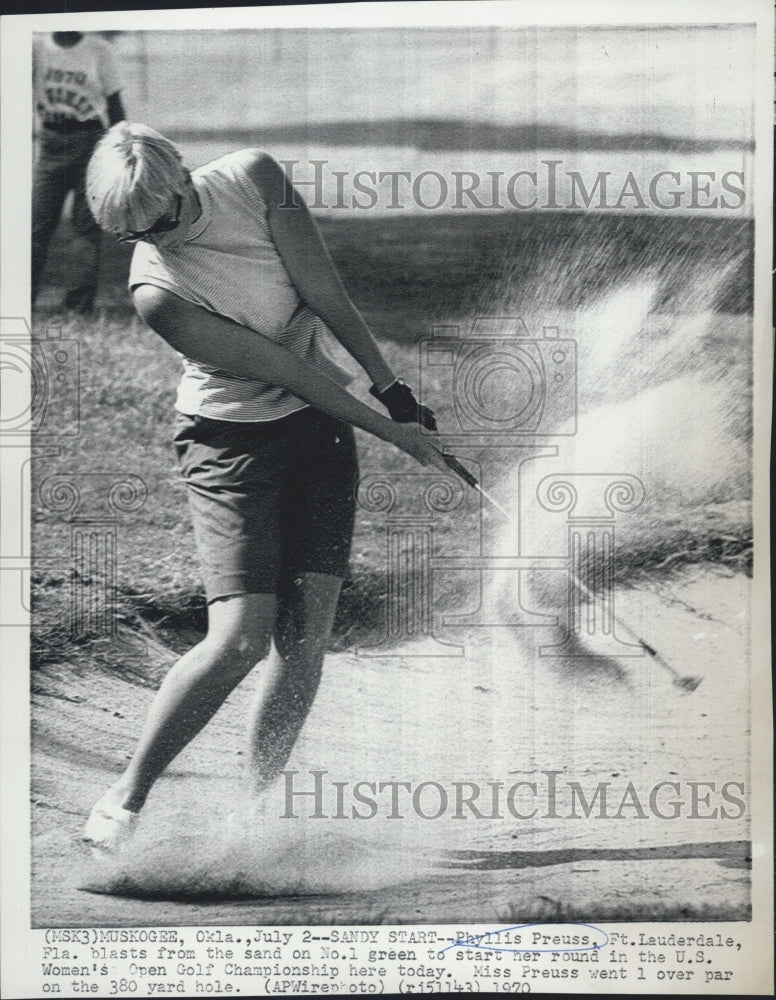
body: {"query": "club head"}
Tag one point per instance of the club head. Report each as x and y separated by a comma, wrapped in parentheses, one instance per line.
(687, 684)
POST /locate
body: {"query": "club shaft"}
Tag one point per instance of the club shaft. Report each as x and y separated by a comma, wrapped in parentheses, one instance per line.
(495, 503)
(464, 473)
(467, 477)
(624, 627)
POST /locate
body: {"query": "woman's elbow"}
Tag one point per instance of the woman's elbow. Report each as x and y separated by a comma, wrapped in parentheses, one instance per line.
(153, 305)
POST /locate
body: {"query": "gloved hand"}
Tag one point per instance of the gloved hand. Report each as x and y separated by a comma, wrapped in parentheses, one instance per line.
(400, 402)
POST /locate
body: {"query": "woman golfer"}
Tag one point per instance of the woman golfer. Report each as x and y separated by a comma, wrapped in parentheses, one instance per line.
(229, 268)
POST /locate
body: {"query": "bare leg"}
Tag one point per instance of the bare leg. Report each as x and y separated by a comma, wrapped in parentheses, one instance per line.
(290, 678)
(239, 631)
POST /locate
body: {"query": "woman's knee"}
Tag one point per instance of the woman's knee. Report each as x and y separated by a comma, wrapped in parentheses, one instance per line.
(305, 617)
(240, 648)
(240, 628)
(301, 649)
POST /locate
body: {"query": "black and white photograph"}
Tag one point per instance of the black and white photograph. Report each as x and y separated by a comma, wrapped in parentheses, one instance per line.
(385, 432)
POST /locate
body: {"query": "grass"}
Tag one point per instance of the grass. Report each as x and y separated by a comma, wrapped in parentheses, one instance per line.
(406, 274)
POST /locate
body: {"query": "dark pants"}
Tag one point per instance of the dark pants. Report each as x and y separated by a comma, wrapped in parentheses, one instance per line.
(60, 167)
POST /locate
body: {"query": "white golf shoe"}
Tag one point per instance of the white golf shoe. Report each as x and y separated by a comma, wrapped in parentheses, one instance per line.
(109, 827)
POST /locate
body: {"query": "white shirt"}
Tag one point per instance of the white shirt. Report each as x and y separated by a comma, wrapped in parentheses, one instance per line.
(230, 265)
(73, 82)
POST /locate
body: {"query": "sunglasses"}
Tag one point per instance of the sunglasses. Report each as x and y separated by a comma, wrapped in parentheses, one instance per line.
(163, 225)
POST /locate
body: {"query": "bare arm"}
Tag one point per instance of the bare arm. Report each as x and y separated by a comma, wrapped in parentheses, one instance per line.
(304, 254)
(221, 343)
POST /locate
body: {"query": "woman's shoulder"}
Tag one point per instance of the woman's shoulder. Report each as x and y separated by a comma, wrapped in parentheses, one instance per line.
(254, 162)
(238, 157)
(252, 155)
(260, 167)
(243, 176)
(252, 165)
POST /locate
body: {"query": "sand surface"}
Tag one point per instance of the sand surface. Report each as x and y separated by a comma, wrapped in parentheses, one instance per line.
(203, 855)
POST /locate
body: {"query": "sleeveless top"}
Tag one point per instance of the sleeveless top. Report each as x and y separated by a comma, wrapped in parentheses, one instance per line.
(229, 265)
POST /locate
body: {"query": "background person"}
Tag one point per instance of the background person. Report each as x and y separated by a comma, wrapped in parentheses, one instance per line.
(76, 95)
(242, 288)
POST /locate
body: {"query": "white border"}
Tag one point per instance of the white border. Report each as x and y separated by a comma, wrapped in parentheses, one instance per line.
(15, 38)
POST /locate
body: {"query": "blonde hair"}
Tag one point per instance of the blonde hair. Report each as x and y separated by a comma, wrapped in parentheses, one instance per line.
(132, 177)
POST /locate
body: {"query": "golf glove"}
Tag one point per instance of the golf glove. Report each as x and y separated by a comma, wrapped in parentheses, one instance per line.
(400, 402)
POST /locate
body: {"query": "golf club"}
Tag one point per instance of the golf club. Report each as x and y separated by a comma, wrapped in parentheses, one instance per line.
(684, 683)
